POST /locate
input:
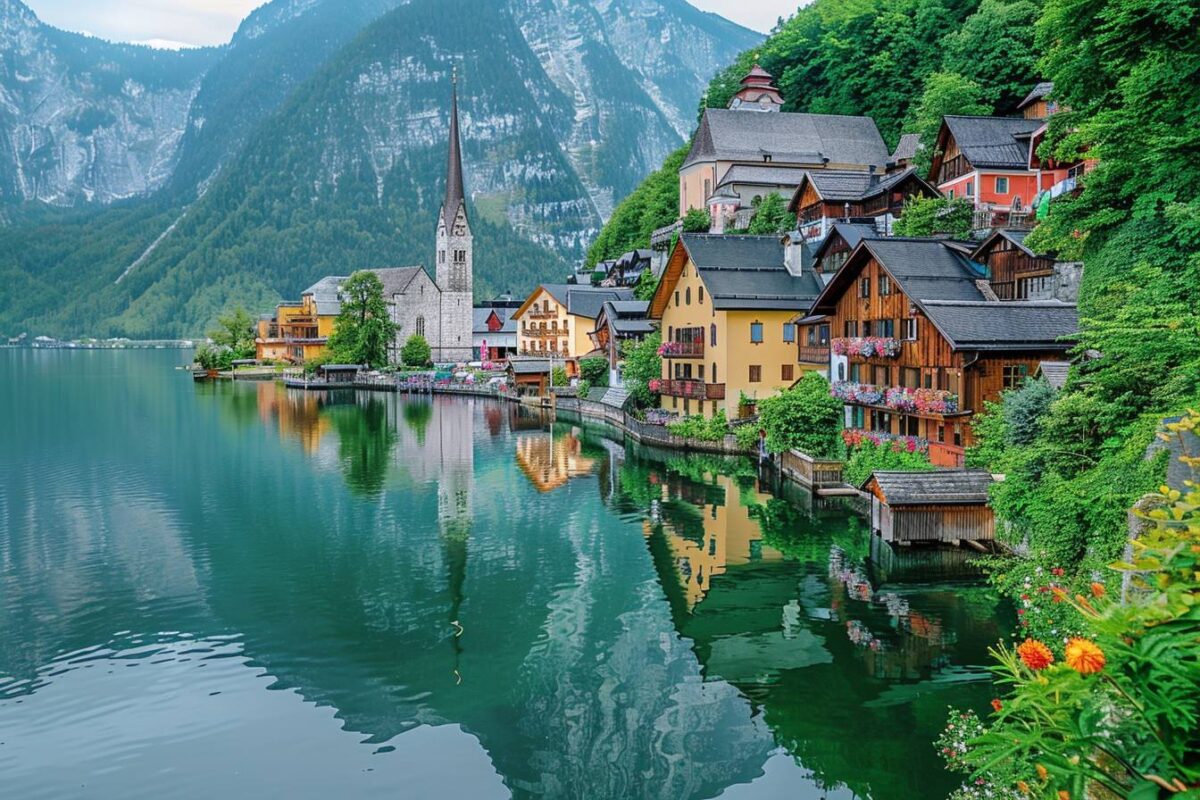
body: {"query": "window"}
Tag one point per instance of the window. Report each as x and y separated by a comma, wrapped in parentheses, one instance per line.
(676, 297)
(756, 332)
(700, 374)
(841, 371)
(564, 345)
(812, 337)
(1014, 375)
(864, 287)
(866, 327)
(1029, 287)
(858, 417)
(950, 194)
(1001, 185)
(714, 372)
(881, 376)
(785, 373)
(909, 329)
(687, 296)
(856, 372)
(707, 188)
(700, 295)
(670, 333)
(881, 421)
(756, 373)
(970, 187)
(789, 332)
(910, 426)
(441, 256)
(712, 335)
(885, 285)
(887, 328)
(420, 326)
(851, 328)
(910, 377)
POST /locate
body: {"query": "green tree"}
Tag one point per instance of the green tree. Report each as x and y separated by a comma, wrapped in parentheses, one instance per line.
(697, 220)
(994, 49)
(235, 330)
(1025, 410)
(558, 377)
(771, 216)
(363, 329)
(869, 457)
(594, 371)
(415, 352)
(944, 93)
(927, 216)
(805, 417)
(642, 365)
(646, 286)
(652, 205)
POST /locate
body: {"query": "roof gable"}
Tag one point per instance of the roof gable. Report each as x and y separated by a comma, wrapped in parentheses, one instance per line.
(939, 487)
(788, 138)
(996, 142)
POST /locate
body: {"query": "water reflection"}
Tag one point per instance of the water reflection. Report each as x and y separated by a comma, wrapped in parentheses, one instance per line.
(361, 595)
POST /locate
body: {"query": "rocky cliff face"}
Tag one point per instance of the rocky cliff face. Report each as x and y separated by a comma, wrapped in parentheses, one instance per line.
(82, 120)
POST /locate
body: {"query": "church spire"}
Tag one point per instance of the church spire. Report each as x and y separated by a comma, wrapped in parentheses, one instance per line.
(454, 172)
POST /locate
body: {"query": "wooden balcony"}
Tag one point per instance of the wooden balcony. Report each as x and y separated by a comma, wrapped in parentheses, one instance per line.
(946, 455)
(695, 390)
(693, 349)
(954, 168)
(816, 354)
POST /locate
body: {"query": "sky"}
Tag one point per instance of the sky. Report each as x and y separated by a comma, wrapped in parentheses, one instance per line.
(174, 23)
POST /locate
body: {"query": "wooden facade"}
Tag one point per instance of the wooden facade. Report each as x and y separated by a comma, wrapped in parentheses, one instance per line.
(815, 213)
(944, 507)
(1014, 273)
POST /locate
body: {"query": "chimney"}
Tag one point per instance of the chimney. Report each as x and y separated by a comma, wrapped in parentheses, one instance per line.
(793, 253)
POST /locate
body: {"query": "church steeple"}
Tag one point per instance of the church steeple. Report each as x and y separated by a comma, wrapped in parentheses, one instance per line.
(454, 172)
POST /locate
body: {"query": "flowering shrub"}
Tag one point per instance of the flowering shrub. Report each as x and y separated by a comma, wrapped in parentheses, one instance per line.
(654, 385)
(1112, 711)
(930, 401)
(853, 437)
(852, 392)
(867, 347)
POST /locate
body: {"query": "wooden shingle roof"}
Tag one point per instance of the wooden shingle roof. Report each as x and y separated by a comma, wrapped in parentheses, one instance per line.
(939, 487)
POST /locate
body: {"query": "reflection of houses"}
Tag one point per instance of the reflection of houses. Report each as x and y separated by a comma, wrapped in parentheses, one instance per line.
(300, 331)
(550, 461)
(731, 536)
(297, 414)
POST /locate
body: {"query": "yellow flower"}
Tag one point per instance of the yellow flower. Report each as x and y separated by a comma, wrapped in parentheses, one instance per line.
(1042, 773)
(1084, 656)
(1022, 787)
(1035, 654)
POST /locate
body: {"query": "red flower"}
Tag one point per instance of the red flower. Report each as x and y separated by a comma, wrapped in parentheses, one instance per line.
(1035, 654)
(997, 705)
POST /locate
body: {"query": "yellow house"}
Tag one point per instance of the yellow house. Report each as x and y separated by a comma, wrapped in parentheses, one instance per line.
(727, 306)
(300, 331)
(555, 320)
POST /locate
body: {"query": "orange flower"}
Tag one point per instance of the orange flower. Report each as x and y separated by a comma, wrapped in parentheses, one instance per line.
(1084, 656)
(1022, 787)
(1063, 794)
(997, 705)
(1098, 590)
(1060, 594)
(1042, 772)
(1034, 654)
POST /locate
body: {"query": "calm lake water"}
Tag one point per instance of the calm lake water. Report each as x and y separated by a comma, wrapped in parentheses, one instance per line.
(234, 591)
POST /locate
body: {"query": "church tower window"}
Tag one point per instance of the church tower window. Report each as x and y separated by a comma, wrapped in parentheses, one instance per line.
(420, 326)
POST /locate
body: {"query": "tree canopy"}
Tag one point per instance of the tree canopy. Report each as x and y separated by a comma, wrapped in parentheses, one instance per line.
(363, 329)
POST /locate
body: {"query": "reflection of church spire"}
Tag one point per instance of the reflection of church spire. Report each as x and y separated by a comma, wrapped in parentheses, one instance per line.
(454, 511)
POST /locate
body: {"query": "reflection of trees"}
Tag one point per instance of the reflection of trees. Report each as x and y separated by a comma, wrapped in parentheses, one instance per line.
(417, 415)
(365, 442)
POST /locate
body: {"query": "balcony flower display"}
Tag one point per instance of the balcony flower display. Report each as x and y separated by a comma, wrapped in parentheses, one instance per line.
(911, 444)
(922, 401)
(852, 392)
(867, 347)
(670, 348)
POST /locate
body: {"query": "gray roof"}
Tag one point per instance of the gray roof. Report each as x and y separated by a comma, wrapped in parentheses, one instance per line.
(325, 293)
(852, 232)
(928, 269)
(585, 301)
(999, 142)
(844, 184)
(1014, 235)
(747, 272)
(396, 280)
(1039, 91)
(941, 487)
(626, 317)
(528, 366)
(765, 175)
(1055, 372)
(789, 138)
(990, 325)
(479, 318)
(906, 148)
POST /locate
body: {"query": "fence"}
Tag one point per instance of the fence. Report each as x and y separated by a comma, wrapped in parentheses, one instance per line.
(808, 471)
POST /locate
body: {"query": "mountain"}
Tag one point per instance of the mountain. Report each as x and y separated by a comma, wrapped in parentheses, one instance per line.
(83, 120)
(313, 148)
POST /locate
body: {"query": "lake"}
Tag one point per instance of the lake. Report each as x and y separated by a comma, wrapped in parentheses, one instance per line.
(238, 590)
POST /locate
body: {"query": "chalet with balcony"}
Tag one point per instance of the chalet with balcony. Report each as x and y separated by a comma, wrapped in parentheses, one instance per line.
(1017, 273)
(754, 132)
(556, 319)
(825, 196)
(627, 270)
(300, 330)
(620, 321)
(726, 307)
(920, 343)
(986, 160)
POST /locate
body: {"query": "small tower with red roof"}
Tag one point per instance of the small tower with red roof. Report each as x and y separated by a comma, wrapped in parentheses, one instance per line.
(758, 92)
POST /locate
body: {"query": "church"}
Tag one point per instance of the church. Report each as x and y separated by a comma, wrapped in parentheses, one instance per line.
(439, 308)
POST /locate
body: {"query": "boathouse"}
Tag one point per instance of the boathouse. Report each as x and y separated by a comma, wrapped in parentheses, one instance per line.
(948, 505)
(338, 373)
(529, 376)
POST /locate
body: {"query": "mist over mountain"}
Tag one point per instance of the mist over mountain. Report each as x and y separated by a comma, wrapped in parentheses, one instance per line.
(314, 143)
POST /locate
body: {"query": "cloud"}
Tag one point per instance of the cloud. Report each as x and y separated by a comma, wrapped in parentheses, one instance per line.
(166, 22)
(759, 15)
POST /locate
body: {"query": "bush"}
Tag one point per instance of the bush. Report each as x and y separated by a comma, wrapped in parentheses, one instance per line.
(747, 436)
(642, 365)
(594, 371)
(697, 220)
(869, 457)
(712, 429)
(1025, 408)
(804, 417)
(926, 216)
(558, 377)
(416, 352)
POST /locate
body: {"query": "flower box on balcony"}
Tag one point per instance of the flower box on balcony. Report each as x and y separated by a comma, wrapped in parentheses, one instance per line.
(868, 347)
(853, 437)
(862, 393)
(922, 401)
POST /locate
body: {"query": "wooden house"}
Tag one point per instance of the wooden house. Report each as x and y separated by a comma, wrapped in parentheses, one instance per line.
(298, 331)
(920, 343)
(1017, 273)
(529, 376)
(620, 321)
(825, 196)
(726, 306)
(986, 161)
(947, 506)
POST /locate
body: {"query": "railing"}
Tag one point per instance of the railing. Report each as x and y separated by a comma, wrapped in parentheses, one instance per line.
(693, 349)
(815, 473)
(867, 346)
(695, 390)
(986, 219)
(913, 444)
(814, 354)
(897, 398)
(810, 213)
(542, 314)
(538, 333)
(661, 238)
(946, 455)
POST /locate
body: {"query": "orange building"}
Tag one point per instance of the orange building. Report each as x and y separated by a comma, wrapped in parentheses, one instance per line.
(300, 330)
